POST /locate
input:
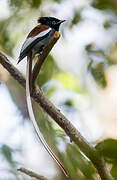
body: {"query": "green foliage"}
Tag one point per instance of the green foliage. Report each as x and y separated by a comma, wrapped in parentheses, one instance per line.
(105, 5)
(18, 96)
(7, 153)
(69, 81)
(46, 127)
(34, 3)
(60, 133)
(97, 64)
(58, 1)
(107, 24)
(76, 17)
(6, 44)
(16, 4)
(69, 103)
(114, 170)
(48, 70)
(108, 148)
(78, 166)
(98, 73)
(21, 12)
(50, 91)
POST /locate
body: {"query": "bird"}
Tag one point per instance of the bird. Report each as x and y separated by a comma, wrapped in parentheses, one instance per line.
(34, 44)
(39, 36)
(37, 39)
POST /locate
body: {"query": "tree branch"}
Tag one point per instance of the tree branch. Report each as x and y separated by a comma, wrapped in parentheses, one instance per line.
(32, 174)
(42, 57)
(62, 121)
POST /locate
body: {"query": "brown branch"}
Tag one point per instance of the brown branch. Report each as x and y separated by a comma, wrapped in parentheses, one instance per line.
(43, 56)
(62, 121)
(32, 174)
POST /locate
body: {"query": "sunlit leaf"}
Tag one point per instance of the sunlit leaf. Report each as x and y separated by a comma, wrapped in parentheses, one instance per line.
(50, 92)
(60, 133)
(69, 81)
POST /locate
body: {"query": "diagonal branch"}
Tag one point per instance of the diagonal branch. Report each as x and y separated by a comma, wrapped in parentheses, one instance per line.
(43, 56)
(62, 121)
(32, 174)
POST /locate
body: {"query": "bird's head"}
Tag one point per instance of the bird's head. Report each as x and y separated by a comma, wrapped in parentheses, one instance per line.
(51, 22)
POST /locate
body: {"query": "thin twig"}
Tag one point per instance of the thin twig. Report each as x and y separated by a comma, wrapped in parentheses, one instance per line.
(42, 57)
(32, 174)
(62, 121)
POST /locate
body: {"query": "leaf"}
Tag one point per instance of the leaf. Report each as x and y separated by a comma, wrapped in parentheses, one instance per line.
(76, 17)
(97, 64)
(6, 44)
(7, 153)
(18, 96)
(45, 126)
(35, 3)
(69, 81)
(50, 91)
(98, 73)
(69, 103)
(14, 3)
(77, 164)
(48, 70)
(108, 148)
(17, 3)
(114, 171)
(105, 5)
(112, 57)
(107, 24)
(58, 1)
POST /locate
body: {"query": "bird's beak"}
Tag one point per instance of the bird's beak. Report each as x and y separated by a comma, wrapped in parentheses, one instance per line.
(61, 21)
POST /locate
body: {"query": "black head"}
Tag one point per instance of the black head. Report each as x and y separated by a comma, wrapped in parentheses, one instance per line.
(51, 21)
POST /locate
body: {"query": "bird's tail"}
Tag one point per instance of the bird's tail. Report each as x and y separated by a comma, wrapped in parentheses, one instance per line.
(38, 132)
(19, 59)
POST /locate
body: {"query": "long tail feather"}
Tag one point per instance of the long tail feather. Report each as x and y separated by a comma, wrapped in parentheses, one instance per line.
(31, 115)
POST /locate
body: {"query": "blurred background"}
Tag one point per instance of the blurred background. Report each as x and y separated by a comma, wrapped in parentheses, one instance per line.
(79, 77)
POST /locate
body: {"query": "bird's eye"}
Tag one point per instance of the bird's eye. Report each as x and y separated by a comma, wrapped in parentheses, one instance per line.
(53, 22)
